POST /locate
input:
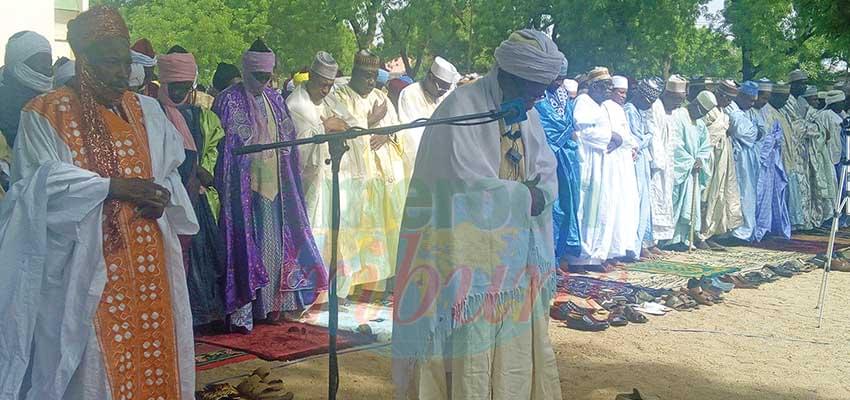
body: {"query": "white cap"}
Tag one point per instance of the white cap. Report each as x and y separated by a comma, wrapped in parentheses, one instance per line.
(571, 85)
(620, 82)
(444, 70)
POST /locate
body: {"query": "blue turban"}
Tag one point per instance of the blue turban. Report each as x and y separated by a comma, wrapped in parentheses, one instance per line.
(408, 80)
(383, 76)
(750, 88)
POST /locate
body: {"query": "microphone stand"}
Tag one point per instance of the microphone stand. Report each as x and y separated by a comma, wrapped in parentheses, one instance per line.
(337, 148)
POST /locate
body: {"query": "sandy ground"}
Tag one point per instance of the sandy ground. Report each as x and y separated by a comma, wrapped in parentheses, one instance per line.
(759, 344)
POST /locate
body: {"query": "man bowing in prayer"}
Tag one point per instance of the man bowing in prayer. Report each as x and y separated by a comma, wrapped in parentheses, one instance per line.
(689, 178)
(420, 99)
(639, 113)
(556, 118)
(101, 308)
(383, 166)
(477, 265)
(272, 262)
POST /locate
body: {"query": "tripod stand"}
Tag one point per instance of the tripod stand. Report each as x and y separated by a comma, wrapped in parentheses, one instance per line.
(512, 111)
(842, 204)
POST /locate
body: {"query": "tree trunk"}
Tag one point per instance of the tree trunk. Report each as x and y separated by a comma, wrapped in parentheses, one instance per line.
(748, 70)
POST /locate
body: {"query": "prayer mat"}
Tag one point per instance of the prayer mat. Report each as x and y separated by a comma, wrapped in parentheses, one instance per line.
(208, 356)
(592, 288)
(285, 341)
(679, 268)
(803, 243)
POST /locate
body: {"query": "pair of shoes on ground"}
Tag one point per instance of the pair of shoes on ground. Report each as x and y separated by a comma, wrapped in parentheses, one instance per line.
(258, 386)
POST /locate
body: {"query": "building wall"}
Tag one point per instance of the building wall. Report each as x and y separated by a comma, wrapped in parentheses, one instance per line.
(47, 17)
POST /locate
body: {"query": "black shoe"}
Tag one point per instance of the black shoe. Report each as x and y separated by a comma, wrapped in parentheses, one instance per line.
(585, 323)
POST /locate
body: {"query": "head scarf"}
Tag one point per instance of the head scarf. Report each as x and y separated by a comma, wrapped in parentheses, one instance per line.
(144, 46)
(142, 59)
(177, 67)
(406, 79)
(22, 46)
(530, 55)
(620, 82)
(224, 73)
(256, 61)
(63, 74)
(707, 100)
(97, 24)
(750, 88)
(444, 70)
(301, 77)
(324, 65)
(137, 76)
(649, 89)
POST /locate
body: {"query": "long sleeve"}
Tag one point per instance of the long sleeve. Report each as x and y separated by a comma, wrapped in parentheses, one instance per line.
(213, 135)
(743, 130)
(587, 117)
(638, 128)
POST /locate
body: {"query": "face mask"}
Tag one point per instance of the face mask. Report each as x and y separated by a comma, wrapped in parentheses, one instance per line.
(31, 79)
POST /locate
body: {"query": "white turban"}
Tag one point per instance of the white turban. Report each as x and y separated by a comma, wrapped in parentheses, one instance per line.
(707, 100)
(21, 47)
(530, 55)
(63, 74)
(444, 70)
(142, 59)
(620, 82)
(834, 96)
(571, 85)
(137, 75)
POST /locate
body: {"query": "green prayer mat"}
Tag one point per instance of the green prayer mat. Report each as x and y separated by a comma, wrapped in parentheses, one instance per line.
(687, 270)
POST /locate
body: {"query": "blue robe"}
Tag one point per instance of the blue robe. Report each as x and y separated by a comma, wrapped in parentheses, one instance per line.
(744, 136)
(772, 206)
(643, 130)
(559, 132)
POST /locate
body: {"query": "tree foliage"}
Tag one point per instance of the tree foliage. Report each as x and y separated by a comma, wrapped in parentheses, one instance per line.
(751, 39)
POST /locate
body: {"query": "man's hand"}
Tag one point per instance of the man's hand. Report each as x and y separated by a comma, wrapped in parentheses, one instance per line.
(697, 166)
(376, 141)
(379, 111)
(537, 199)
(615, 143)
(334, 124)
(206, 178)
(149, 198)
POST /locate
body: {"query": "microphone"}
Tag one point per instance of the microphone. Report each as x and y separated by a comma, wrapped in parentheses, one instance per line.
(514, 111)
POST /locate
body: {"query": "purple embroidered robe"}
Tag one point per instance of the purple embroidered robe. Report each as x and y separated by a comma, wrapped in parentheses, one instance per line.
(244, 270)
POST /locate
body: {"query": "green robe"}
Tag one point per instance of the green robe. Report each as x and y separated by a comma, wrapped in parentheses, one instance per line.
(692, 144)
(213, 134)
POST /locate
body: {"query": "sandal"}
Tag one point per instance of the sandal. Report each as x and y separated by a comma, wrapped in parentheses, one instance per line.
(700, 296)
(221, 391)
(653, 308)
(618, 316)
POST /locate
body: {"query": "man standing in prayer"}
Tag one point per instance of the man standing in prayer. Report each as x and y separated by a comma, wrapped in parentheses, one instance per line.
(102, 311)
(27, 74)
(312, 117)
(662, 161)
(772, 190)
(722, 195)
(744, 136)
(381, 163)
(201, 132)
(795, 167)
(643, 129)
(484, 332)
(821, 172)
(556, 118)
(593, 132)
(692, 151)
(798, 79)
(272, 262)
(143, 54)
(420, 99)
(619, 180)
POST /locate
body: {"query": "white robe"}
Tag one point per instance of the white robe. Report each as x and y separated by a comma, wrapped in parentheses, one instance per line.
(620, 190)
(594, 133)
(413, 104)
(464, 218)
(662, 175)
(53, 272)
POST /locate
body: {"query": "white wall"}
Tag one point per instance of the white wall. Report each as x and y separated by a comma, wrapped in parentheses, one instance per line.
(20, 15)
